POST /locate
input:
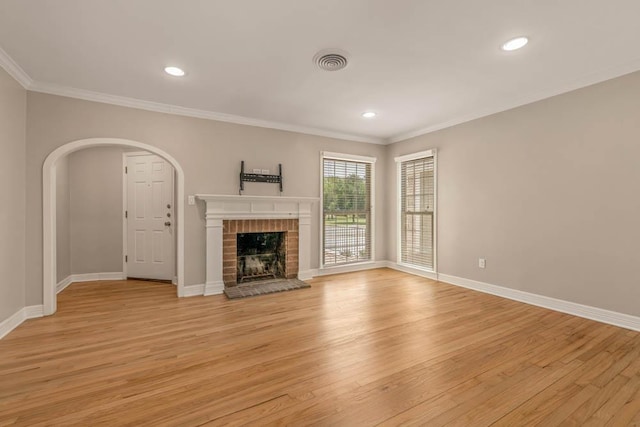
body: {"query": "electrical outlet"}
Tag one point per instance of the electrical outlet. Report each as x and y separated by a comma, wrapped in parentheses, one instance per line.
(265, 171)
(257, 171)
(192, 200)
(482, 263)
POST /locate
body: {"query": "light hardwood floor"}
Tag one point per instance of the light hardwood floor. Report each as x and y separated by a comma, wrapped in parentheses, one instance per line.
(371, 348)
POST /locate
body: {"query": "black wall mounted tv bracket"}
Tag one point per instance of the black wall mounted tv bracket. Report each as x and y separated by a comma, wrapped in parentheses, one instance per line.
(258, 177)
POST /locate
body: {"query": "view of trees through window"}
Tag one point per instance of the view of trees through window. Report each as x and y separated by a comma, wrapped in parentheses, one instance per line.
(347, 211)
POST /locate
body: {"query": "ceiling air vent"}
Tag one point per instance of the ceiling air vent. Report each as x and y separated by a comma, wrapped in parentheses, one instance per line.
(330, 60)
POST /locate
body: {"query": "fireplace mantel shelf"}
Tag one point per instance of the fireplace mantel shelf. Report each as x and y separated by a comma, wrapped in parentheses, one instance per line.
(220, 207)
(237, 198)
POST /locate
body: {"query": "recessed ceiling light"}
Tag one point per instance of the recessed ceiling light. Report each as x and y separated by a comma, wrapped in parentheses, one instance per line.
(515, 44)
(368, 114)
(174, 71)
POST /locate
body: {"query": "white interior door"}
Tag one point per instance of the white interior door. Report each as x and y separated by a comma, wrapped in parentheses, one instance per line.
(150, 218)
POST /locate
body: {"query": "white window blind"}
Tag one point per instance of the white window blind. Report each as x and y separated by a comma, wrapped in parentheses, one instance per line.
(347, 211)
(417, 201)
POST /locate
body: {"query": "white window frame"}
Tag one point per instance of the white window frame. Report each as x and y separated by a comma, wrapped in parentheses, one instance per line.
(399, 160)
(354, 158)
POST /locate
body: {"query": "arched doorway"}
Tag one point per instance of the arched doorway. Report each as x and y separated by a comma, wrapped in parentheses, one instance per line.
(49, 210)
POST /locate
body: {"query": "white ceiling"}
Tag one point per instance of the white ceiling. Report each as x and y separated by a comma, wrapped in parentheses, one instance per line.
(420, 64)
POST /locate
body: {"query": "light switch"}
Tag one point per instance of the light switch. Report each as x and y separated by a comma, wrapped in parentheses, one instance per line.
(192, 200)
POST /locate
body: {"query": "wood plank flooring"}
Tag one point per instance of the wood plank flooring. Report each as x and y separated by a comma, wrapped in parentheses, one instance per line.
(371, 348)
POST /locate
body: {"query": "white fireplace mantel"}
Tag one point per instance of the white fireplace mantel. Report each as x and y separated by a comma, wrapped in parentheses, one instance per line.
(221, 207)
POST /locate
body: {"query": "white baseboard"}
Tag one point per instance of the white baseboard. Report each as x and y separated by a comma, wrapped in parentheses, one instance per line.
(63, 284)
(34, 311)
(369, 265)
(192, 291)
(30, 312)
(593, 313)
(411, 270)
(88, 277)
(213, 288)
(307, 274)
(91, 277)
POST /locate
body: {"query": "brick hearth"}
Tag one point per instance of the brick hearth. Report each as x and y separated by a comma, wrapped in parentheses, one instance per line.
(230, 229)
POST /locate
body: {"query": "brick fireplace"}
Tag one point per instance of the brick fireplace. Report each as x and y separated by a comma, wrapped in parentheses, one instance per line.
(226, 216)
(232, 227)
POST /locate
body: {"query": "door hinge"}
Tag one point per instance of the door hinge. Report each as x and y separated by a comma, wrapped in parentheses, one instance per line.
(126, 214)
(126, 258)
(126, 169)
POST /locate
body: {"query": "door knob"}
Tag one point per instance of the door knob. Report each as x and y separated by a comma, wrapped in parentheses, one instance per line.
(167, 224)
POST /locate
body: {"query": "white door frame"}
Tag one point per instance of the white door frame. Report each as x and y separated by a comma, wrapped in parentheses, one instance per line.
(49, 211)
(125, 202)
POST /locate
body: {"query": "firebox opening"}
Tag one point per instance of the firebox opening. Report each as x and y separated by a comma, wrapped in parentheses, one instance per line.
(261, 256)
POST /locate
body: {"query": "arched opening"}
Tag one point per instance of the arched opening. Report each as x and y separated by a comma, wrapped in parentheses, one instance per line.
(49, 211)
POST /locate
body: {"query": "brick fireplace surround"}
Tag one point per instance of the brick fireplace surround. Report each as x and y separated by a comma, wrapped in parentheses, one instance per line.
(291, 215)
(230, 230)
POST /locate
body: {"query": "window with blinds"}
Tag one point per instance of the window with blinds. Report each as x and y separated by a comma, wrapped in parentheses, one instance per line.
(417, 202)
(347, 211)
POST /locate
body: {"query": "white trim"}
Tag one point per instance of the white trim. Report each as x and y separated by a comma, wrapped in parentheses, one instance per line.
(413, 270)
(233, 207)
(435, 210)
(158, 107)
(125, 208)
(349, 268)
(14, 70)
(62, 285)
(33, 311)
(237, 198)
(399, 160)
(355, 158)
(16, 319)
(88, 277)
(91, 277)
(372, 197)
(599, 76)
(351, 157)
(12, 322)
(49, 210)
(213, 288)
(415, 156)
(125, 245)
(27, 82)
(193, 290)
(593, 313)
(320, 217)
(307, 274)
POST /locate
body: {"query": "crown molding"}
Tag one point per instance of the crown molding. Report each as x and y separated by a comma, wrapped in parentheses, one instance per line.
(579, 83)
(158, 107)
(14, 70)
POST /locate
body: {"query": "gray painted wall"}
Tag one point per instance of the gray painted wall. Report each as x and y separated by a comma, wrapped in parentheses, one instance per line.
(63, 225)
(89, 212)
(548, 193)
(209, 152)
(95, 188)
(12, 188)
